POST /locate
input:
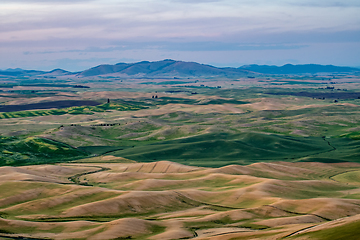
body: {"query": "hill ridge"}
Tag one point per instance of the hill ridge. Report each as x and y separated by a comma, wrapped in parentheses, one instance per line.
(298, 69)
(169, 68)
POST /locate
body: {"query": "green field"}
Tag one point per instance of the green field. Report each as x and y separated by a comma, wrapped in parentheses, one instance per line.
(349, 231)
(32, 150)
(291, 129)
(254, 159)
(217, 150)
(88, 110)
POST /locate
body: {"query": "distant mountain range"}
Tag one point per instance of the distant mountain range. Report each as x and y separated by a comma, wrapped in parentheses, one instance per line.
(165, 68)
(299, 69)
(170, 68)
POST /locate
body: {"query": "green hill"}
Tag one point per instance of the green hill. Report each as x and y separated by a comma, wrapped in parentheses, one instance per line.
(15, 151)
(221, 149)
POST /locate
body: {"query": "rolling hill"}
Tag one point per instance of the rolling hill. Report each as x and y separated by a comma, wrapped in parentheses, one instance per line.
(170, 68)
(166, 200)
(165, 68)
(298, 69)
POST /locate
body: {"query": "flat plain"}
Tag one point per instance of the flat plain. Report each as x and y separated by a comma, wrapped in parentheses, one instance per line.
(248, 158)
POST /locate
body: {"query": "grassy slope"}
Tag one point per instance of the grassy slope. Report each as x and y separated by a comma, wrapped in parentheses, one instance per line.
(220, 137)
(348, 231)
(211, 149)
(222, 149)
(72, 110)
(151, 194)
(17, 151)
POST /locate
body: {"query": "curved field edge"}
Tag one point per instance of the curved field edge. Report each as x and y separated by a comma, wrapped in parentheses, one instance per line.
(16, 151)
(161, 200)
(89, 110)
(221, 149)
(205, 150)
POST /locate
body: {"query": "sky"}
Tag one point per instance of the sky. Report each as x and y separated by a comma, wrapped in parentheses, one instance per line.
(78, 34)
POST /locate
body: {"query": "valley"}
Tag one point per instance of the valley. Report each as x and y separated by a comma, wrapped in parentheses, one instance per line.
(111, 197)
(251, 156)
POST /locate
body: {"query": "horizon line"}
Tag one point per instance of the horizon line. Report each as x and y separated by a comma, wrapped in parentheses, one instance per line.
(253, 64)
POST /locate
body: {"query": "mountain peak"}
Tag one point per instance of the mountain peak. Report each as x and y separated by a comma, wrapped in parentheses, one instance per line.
(167, 68)
(59, 70)
(298, 69)
(14, 70)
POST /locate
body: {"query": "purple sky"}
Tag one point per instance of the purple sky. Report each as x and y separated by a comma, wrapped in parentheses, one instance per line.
(78, 34)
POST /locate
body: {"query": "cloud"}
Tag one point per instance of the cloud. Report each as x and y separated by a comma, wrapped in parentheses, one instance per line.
(322, 53)
(309, 3)
(176, 46)
(47, 1)
(45, 28)
(73, 64)
(220, 46)
(168, 18)
(325, 3)
(196, 2)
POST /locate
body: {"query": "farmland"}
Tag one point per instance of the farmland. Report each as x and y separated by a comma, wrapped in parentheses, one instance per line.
(246, 158)
(109, 196)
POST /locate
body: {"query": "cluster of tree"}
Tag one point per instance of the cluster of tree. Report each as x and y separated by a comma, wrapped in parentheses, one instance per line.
(96, 125)
(105, 124)
(72, 125)
(80, 86)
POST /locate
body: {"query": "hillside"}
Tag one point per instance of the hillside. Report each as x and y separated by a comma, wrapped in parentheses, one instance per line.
(172, 69)
(165, 68)
(298, 69)
(112, 198)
